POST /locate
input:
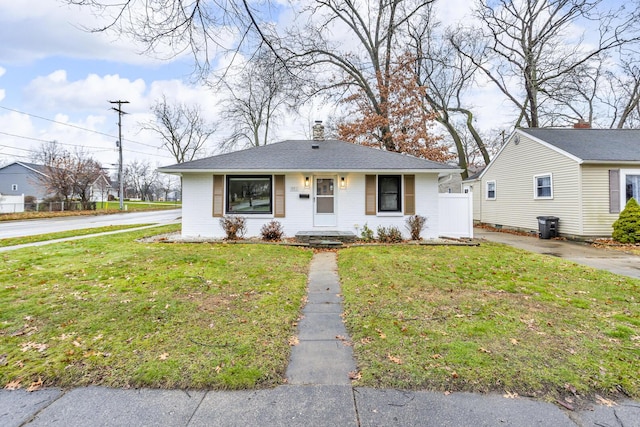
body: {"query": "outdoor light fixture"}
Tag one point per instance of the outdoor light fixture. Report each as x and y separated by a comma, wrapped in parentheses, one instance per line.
(343, 182)
(306, 182)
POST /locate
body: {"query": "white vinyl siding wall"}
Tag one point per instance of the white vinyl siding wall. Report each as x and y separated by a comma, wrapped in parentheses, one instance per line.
(515, 205)
(198, 220)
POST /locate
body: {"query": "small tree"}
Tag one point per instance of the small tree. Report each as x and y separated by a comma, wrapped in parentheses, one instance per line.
(626, 229)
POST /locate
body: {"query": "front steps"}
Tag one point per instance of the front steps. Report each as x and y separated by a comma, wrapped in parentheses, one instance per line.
(325, 238)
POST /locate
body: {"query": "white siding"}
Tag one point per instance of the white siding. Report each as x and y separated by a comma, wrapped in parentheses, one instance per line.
(513, 171)
(197, 219)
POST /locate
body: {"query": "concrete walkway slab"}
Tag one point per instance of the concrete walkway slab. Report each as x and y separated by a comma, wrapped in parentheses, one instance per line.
(421, 408)
(100, 406)
(290, 406)
(19, 406)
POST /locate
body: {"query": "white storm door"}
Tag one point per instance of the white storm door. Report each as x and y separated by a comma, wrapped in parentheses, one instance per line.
(324, 201)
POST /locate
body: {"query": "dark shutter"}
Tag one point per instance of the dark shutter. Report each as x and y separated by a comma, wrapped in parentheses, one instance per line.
(279, 199)
(614, 191)
(370, 195)
(218, 195)
(409, 195)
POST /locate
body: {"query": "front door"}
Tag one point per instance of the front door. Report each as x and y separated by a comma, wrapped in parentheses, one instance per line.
(324, 202)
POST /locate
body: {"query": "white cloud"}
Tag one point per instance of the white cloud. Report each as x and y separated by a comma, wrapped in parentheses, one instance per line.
(56, 92)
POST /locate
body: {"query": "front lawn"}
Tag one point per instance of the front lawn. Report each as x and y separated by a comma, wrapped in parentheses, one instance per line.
(116, 312)
(490, 318)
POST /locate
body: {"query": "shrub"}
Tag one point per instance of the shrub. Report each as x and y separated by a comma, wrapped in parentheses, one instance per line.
(389, 234)
(367, 234)
(415, 225)
(235, 227)
(626, 229)
(272, 231)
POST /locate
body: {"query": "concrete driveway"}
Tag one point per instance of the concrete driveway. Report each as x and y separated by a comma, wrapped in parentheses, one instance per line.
(604, 259)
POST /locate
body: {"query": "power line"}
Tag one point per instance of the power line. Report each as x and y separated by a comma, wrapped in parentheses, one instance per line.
(74, 126)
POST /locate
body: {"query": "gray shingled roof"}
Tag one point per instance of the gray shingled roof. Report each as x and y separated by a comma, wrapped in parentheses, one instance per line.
(331, 155)
(593, 144)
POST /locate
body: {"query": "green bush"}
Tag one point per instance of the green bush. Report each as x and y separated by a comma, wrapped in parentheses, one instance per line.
(235, 227)
(626, 229)
(367, 234)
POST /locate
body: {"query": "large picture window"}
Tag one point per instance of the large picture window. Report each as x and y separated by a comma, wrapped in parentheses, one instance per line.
(249, 195)
(389, 195)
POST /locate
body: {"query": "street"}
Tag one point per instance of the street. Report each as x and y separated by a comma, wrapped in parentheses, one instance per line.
(53, 225)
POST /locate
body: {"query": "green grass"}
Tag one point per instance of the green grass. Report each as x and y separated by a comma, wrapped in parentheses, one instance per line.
(489, 318)
(13, 241)
(116, 312)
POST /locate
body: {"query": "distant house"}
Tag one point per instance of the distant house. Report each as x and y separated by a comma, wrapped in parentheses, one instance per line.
(582, 176)
(102, 188)
(310, 186)
(23, 178)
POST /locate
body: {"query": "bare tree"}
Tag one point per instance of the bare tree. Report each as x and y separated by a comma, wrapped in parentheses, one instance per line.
(171, 27)
(446, 75)
(257, 97)
(530, 49)
(182, 128)
(143, 177)
(622, 92)
(68, 175)
(362, 62)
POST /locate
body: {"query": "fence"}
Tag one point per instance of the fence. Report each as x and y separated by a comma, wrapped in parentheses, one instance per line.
(456, 215)
(11, 204)
(57, 206)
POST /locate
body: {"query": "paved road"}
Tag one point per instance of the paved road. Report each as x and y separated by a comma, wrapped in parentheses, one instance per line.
(53, 225)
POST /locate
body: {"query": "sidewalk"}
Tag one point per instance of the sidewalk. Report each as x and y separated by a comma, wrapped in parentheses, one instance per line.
(318, 394)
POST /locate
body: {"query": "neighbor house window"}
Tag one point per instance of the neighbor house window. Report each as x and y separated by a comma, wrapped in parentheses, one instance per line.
(632, 185)
(14, 187)
(543, 186)
(389, 193)
(249, 195)
(491, 190)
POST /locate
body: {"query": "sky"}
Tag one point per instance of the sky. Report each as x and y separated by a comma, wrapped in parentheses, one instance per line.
(56, 81)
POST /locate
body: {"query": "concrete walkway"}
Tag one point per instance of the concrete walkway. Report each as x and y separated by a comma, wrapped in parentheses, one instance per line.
(319, 392)
(323, 355)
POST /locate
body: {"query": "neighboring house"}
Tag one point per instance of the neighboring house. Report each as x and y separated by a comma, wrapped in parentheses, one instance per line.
(22, 178)
(102, 188)
(318, 185)
(582, 176)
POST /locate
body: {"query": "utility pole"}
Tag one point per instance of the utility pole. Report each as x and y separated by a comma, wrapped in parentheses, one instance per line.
(120, 113)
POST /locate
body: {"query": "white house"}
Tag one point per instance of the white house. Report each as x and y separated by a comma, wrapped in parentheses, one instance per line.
(584, 177)
(309, 185)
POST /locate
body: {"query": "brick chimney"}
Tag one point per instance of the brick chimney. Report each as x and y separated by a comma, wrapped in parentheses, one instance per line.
(581, 124)
(318, 131)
